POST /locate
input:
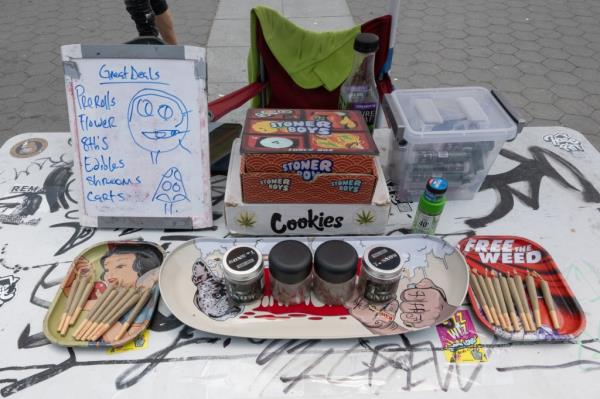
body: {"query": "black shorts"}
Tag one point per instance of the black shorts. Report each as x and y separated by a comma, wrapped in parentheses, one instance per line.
(143, 11)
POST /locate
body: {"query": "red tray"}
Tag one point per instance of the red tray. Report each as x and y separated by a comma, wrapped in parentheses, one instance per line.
(509, 254)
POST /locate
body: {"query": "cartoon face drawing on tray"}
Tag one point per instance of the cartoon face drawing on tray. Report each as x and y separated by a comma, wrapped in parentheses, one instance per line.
(126, 265)
(211, 296)
(158, 121)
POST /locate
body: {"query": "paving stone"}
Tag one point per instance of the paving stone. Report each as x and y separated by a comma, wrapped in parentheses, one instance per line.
(503, 48)
(574, 107)
(585, 62)
(505, 59)
(563, 77)
(532, 68)
(453, 54)
(504, 71)
(543, 96)
(479, 75)
(558, 65)
(555, 53)
(543, 111)
(32, 94)
(568, 91)
(507, 85)
(537, 82)
(428, 56)
(423, 81)
(427, 68)
(452, 78)
(528, 55)
(580, 123)
(593, 100)
(452, 65)
(480, 62)
(517, 99)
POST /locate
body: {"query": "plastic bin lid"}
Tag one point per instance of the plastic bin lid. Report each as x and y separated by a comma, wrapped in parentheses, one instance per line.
(461, 113)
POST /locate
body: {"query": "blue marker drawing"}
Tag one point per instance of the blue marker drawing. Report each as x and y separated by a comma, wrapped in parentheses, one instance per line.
(158, 121)
(170, 190)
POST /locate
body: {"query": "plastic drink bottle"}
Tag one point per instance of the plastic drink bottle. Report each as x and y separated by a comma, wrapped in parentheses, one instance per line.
(359, 90)
(431, 205)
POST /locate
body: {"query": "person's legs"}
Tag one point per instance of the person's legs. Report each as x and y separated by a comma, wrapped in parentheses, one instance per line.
(142, 14)
(164, 20)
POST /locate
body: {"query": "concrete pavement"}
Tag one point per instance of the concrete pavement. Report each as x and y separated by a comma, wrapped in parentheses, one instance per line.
(545, 54)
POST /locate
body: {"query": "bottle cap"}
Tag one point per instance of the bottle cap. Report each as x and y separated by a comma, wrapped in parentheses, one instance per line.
(242, 263)
(366, 42)
(382, 262)
(290, 261)
(437, 185)
(335, 261)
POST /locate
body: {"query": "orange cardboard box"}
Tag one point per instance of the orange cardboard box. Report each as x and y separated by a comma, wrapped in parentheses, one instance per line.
(307, 156)
(324, 188)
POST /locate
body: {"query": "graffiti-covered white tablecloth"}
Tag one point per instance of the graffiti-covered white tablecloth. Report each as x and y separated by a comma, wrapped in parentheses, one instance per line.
(544, 186)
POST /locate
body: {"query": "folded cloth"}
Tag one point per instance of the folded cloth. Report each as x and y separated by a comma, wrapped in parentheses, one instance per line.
(312, 59)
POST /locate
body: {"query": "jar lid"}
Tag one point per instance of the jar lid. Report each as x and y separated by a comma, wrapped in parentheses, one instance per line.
(290, 261)
(366, 42)
(242, 263)
(335, 261)
(382, 262)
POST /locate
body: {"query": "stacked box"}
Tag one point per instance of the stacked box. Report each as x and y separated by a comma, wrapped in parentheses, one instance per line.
(307, 156)
(260, 219)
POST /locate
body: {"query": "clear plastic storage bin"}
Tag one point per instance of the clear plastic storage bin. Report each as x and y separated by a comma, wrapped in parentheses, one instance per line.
(454, 133)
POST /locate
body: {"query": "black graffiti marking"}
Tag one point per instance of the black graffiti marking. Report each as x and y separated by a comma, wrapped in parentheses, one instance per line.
(29, 203)
(57, 186)
(268, 354)
(27, 341)
(40, 163)
(34, 299)
(17, 268)
(304, 374)
(125, 232)
(402, 230)
(69, 215)
(80, 235)
(161, 322)
(551, 366)
(155, 359)
(161, 356)
(218, 189)
(532, 171)
(405, 230)
(8, 288)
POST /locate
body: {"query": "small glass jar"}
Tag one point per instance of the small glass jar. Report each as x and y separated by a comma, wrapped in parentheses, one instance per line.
(380, 274)
(335, 272)
(243, 271)
(290, 266)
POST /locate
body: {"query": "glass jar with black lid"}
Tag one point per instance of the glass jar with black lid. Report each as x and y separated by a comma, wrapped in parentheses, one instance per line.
(380, 274)
(335, 267)
(290, 269)
(243, 272)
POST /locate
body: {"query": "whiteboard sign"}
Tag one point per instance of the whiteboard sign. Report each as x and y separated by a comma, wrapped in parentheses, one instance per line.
(138, 117)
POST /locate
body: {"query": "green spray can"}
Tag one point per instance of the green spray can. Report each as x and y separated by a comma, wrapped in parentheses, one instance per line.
(431, 205)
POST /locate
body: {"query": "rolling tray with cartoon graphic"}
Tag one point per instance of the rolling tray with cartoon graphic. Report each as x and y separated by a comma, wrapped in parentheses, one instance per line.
(192, 287)
(518, 255)
(127, 263)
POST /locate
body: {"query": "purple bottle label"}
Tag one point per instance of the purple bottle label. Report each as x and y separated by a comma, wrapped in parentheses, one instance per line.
(368, 111)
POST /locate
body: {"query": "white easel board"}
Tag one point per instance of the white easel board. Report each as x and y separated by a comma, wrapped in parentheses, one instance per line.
(139, 122)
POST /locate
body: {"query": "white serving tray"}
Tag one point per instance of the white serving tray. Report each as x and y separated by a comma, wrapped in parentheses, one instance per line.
(191, 285)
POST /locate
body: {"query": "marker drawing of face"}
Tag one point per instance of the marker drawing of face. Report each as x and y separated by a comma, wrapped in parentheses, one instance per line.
(158, 121)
